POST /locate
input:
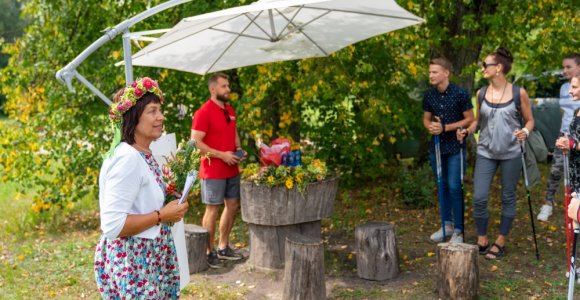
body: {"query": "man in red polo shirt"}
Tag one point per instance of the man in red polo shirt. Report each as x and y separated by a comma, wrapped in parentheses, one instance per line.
(214, 130)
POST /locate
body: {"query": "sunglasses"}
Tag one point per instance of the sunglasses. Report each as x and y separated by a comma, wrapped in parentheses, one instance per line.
(227, 114)
(485, 65)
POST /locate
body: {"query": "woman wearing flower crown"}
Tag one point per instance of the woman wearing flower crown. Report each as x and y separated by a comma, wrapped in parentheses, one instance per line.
(136, 257)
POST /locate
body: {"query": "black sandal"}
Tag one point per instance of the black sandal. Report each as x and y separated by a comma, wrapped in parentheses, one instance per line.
(483, 249)
(497, 254)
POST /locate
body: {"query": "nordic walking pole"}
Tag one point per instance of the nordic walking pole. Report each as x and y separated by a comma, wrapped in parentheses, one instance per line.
(440, 180)
(462, 187)
(572, 276)
(568, 221)
(529, 199)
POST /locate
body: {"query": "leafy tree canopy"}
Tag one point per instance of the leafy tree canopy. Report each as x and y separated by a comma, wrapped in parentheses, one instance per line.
(358, 106)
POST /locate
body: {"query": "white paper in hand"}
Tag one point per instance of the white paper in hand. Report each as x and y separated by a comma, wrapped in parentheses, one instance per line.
(191, 177)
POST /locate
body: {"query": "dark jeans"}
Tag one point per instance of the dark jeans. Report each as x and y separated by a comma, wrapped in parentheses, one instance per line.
(451, 182)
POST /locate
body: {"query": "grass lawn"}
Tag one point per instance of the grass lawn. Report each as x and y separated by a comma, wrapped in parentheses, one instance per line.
(42, 261)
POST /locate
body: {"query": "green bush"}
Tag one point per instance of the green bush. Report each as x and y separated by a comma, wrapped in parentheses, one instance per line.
(417, 185)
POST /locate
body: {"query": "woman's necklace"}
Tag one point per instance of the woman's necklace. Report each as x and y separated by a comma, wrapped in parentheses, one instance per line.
(141, 149)
(494, 103)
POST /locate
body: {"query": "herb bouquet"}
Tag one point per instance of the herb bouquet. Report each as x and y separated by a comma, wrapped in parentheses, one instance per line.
(178, 166)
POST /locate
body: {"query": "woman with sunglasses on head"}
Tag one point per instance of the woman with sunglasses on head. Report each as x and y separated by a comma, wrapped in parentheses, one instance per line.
(501, 106)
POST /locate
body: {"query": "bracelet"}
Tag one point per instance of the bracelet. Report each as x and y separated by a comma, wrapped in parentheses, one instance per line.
(526, 131)
(158, 217)
(207, 156)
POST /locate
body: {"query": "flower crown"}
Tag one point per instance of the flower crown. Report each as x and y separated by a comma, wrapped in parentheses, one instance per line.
(128, 97)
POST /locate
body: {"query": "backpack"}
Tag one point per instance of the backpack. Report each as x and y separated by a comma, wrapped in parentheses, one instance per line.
(535, 149)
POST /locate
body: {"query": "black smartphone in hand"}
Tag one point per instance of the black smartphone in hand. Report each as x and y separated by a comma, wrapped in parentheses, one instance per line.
(240, 153)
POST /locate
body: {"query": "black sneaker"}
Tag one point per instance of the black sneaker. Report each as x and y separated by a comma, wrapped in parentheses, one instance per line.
(229, 254)
(213, 261)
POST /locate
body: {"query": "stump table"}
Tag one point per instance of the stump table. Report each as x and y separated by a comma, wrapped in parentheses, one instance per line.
(274, 213)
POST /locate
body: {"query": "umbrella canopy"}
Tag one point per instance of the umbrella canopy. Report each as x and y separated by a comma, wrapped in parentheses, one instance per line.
(269, 31)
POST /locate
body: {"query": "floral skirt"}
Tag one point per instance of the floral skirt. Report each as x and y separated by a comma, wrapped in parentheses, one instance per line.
(132, 267)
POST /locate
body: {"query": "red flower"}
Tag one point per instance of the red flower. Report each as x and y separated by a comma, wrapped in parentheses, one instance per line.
(138, 92)
(134, 84)
(147, 83)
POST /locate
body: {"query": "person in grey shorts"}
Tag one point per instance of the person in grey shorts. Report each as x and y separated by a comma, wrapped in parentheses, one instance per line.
(214, 130)
(571, 66)
(500, 108)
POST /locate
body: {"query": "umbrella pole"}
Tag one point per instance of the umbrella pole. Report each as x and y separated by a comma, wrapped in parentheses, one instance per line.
(440, 182)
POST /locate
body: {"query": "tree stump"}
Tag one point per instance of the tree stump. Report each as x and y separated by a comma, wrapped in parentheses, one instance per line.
(377, 257)
(274, 213)
(268, 243)
(304, 268)
(457, 271)
(196, 243)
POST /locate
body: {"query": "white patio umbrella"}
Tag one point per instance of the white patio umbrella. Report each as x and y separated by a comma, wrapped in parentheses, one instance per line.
(271, 30)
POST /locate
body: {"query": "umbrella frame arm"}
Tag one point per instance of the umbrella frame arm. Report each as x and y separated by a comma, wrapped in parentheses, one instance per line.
(69, 72)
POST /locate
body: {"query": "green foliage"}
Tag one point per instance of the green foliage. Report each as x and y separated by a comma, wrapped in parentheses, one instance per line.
(186, 159)
(354, 107)
(416, 184)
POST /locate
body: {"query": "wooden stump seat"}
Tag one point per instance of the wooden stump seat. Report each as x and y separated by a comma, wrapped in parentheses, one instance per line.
(196, 244)
(377, 257)
(304, 268)
(457, 271)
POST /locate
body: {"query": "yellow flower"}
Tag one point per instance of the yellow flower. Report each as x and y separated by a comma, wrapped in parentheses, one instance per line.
(299, 178)
(270, 179)
(289, 183)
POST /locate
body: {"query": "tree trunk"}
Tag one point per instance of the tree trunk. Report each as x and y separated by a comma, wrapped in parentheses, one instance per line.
(196, 244)
(304, 270)
(453, 19)
(377, 257)
(457, 271)
(267, 243)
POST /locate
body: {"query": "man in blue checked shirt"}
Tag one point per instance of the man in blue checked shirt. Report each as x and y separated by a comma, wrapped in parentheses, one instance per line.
(446, 109)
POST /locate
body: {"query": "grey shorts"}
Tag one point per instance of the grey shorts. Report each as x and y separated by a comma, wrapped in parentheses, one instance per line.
(214, 191)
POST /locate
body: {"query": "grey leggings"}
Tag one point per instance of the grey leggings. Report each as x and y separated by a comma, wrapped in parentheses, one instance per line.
(485, 169)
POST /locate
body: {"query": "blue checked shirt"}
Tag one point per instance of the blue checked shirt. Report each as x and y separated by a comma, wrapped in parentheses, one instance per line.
(449, 107)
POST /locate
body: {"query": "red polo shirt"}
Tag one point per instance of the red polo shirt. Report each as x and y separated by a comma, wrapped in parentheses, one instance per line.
(219, 135)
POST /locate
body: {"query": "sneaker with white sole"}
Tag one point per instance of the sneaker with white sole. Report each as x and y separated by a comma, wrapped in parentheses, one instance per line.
(456, 238)
(213, 261)
(545, 213)
(228, 254)
(437, 237)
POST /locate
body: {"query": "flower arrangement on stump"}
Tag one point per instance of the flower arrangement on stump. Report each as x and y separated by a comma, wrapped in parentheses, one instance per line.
(281, 165)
